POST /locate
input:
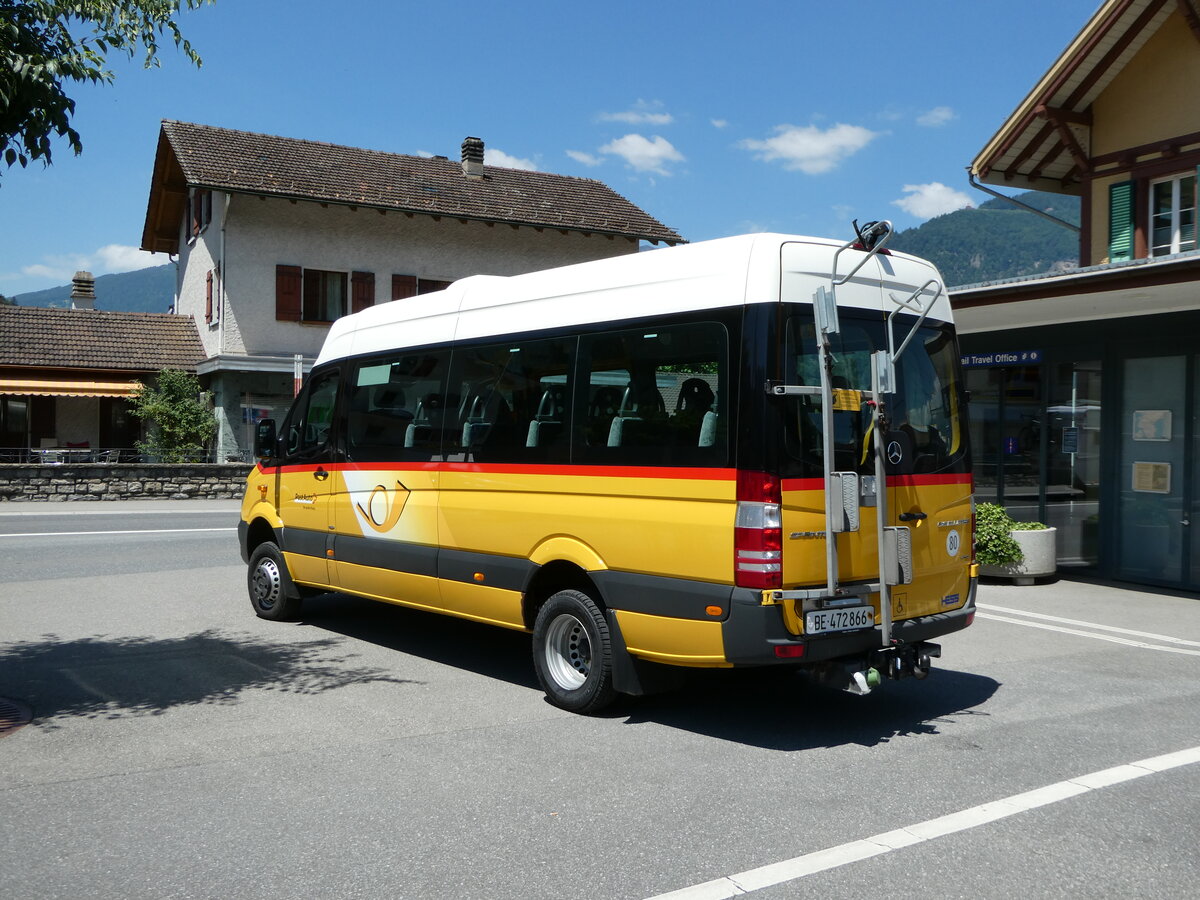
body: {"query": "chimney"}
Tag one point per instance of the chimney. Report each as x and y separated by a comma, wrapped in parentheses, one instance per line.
(83, 291)
(472, 158)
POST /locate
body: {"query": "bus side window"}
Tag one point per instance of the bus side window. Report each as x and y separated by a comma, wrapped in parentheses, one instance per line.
(310, 423)
(513, 402)
(390, 403)
(655, 396)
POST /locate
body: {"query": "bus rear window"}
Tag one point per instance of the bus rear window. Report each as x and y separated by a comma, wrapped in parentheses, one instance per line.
(924, 415)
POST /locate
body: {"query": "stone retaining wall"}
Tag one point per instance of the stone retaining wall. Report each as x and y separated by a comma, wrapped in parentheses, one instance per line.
(123, 481)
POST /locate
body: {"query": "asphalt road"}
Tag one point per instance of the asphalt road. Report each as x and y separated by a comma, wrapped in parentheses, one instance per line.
(183, 748)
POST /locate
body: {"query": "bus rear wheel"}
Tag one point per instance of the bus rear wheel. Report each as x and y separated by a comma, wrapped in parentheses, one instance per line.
(572, 653)
(270, 589)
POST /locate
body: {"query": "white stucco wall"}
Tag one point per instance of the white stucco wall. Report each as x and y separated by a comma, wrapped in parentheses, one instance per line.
(263, 233)
(196, 259)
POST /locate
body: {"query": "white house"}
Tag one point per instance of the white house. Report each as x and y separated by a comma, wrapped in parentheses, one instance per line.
(276, 238)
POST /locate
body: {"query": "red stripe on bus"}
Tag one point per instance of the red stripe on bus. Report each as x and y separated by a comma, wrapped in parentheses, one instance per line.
(818, 484)
(687, 474)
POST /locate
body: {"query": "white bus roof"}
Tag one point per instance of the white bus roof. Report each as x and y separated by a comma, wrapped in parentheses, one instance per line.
(754, 268)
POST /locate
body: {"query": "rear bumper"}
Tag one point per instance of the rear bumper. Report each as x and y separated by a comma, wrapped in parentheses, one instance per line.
(753, 631)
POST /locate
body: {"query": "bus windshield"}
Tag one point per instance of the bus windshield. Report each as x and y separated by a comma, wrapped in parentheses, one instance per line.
(924, 415)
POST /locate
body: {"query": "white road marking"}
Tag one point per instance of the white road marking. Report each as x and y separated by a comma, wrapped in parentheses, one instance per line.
(1166, 638)
(94, 510)
(964, 820)
(143, 531)
(1112, 639)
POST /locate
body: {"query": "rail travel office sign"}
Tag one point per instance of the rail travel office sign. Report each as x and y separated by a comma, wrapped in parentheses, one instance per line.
(1001, 358)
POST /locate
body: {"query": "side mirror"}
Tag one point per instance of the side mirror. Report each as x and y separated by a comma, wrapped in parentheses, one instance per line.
(266, 442)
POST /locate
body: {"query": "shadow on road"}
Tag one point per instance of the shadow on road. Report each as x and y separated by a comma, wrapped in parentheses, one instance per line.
(764, 708)
(114, 678)
(470, 646)
(777, 711)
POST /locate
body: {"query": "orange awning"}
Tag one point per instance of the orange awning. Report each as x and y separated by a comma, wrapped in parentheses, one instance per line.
(68, 387)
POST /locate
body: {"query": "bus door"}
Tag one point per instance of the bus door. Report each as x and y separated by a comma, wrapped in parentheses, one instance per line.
(929, 481)
(307, 480)
(803, 484)
(384, 524)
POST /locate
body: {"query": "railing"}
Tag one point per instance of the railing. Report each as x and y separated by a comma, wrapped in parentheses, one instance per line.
(57, 456)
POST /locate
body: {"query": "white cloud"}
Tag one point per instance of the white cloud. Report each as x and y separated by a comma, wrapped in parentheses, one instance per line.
(719, 123)
(642, 113)
(644, 154)
(119, 258)
(586, 158)
(810, 149)
(108, 260)
(496, 157)
(937, 117)
(924, 201)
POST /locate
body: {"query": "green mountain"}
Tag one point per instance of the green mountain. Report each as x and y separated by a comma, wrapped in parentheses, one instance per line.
(997, 240)
(145, 290)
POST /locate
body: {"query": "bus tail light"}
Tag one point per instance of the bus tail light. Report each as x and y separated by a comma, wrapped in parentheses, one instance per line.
(758, 532)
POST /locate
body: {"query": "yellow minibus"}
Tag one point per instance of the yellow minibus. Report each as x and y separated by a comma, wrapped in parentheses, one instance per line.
(743, 452)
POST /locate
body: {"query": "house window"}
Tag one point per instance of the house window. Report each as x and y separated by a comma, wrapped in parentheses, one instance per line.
(199, 212)
(1173, 215)
(313, 295)
(405, 286)
(324, 296)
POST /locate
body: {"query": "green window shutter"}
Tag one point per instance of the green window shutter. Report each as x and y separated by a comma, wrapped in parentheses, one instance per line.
(1121, 199)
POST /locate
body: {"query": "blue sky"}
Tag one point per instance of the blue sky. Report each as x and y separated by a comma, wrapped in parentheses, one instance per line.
(717, 118)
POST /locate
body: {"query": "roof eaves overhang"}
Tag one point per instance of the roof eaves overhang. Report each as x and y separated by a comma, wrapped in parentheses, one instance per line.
(1045, 143)
(168, 196)
(1115, 290)
(437, 214)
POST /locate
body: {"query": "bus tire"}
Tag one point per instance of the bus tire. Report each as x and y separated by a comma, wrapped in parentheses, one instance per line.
(271, 593)
(572, 653)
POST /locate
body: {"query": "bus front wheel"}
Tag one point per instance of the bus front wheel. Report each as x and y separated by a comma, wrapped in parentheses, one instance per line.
(269, 586)
(572, 653)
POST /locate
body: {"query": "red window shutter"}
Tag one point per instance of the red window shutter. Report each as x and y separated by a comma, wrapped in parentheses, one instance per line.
(428, 286)
(208, 297)
(287, 293)
(362, 291)
(404, 286)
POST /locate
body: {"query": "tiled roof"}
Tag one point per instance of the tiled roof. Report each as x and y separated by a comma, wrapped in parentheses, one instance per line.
(245, 162)
(97, 339)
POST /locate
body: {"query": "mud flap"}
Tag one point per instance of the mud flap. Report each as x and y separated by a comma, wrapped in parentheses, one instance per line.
(634, 676)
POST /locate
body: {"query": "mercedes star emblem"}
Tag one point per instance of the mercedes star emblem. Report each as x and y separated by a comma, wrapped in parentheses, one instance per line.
(895, 454)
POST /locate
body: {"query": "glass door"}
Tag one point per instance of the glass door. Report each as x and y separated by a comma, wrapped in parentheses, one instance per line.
(1155, 486)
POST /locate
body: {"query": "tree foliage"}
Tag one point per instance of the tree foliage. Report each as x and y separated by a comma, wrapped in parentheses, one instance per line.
(181, 421)
(44, 46)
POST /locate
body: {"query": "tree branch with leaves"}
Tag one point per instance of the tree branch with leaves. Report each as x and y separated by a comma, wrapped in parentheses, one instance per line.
(44, 45)
(180, 418)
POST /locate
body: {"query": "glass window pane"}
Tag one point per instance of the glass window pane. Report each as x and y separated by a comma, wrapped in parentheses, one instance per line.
(395, 408)
(1073, 462)
(656, 397)
(514, 405)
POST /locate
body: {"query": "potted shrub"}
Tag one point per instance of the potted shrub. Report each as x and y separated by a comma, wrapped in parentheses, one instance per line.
(1005, 548)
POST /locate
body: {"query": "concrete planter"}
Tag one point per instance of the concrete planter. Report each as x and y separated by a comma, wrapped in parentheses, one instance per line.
(1041, 557)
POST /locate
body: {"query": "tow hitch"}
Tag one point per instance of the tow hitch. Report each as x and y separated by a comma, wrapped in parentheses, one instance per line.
(896, 662)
